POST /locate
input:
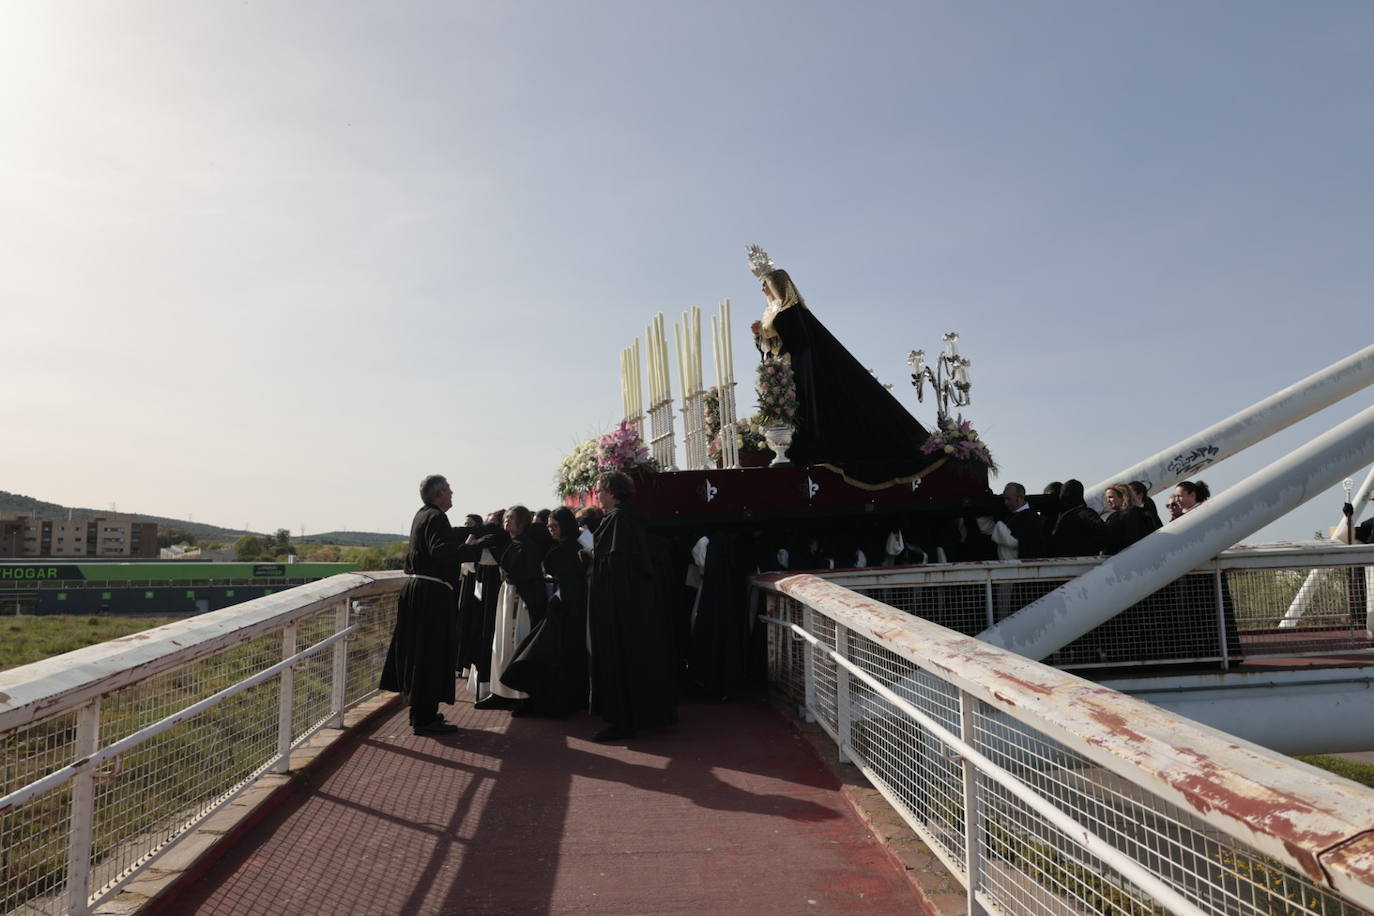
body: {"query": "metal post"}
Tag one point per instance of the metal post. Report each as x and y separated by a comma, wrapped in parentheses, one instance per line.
(1343, 528)
(987, 599)
(808, 664)
(844, 720)
(340, 676)
(1221, 621)
(973, 805)
(288, 702)
(83, 811)
(1149, 564)
(1360, 501)
(1369, 602)
(1278, 411)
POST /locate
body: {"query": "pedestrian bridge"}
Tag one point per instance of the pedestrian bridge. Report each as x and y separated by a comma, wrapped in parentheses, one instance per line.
(1041, 791)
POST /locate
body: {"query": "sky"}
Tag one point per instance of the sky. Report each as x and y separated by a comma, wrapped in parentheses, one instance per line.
(268, 264)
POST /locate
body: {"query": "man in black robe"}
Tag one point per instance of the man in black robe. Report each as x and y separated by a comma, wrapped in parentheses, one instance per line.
(479, 615)
(420, 660)
(721, 627)
(473, 654)
(522, 572)
(522, 560)
(632, 676)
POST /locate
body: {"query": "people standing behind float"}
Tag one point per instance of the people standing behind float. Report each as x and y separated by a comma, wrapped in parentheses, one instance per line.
(522, 603)
(1017, 534)
(550, 664)
(846, 420)
(1049, 512)
(1078, 530)
(632, 676)
(480, 630)
(1140, 499)
(1126, 523)
(718, 647)
(419, 661)
(1190, 494)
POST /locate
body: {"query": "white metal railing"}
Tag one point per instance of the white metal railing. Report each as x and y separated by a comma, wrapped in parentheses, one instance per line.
(112, 753)
(1240, 600)
(1046, 793)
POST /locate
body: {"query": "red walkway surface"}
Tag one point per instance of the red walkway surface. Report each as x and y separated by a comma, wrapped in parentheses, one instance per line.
(730, 812)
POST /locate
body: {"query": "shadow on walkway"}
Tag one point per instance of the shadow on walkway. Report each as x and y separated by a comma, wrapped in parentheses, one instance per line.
(730, 812)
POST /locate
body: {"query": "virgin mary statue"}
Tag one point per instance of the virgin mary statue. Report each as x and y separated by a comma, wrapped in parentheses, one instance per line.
(846, 420)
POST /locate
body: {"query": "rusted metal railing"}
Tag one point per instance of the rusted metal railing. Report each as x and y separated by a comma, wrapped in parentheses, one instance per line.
(112, 753)
(1047, 793)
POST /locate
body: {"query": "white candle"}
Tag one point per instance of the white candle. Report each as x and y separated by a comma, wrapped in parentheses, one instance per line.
(653, 364)
(726, 333)
(681, 359)
(624, 386)
(715, 347)
(658, 365)
(696, 348)
(638, 390)
(663, 356)
(687, 353)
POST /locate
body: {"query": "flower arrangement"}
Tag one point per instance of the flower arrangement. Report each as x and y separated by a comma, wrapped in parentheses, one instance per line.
(777, 391)
(577, 472)
(748, 439)
(712, 409)
(622, 449)
(958, 440)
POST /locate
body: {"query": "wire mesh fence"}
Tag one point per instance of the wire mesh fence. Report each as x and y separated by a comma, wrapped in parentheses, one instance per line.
(1246, 604)
(1031, 817)
(169, 747)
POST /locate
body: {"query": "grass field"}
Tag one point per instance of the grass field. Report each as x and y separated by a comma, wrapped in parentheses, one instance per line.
(30, 639)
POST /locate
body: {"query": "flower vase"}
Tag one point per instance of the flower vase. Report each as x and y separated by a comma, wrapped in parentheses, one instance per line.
(779, 439)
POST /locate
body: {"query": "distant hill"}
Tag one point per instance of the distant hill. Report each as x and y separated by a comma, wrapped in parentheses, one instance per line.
(12, 502)
(350, 538)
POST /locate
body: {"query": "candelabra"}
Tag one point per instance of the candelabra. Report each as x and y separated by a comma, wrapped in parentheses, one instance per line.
(948, 380)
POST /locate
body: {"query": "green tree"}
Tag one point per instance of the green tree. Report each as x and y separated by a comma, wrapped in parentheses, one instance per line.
(248, 547)
(324, 553)
(168, 536)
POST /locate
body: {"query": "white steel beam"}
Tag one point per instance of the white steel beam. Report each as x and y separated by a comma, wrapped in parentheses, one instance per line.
(1221, 440)
(1151, 563)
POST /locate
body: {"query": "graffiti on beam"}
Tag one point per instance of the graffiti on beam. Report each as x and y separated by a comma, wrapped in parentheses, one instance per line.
(1185, 463)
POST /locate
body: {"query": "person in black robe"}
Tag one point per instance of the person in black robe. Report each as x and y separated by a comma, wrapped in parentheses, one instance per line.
(1078, 530)
(846, 420)
(467, 588)
(522, 603)
(522, 562)
(479, 614)
(419, 662)
(1140, 499)
(632, 676)
(550, 664)
(718, 662)
(1126, 523)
